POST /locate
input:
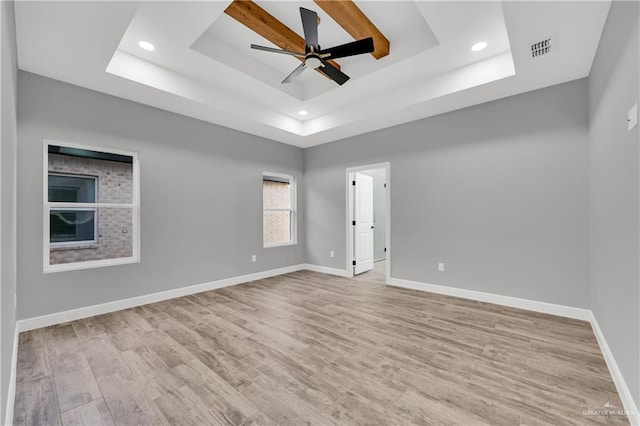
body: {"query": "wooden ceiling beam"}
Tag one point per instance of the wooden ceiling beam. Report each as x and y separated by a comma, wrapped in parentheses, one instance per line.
(263, 23)
(356, 23)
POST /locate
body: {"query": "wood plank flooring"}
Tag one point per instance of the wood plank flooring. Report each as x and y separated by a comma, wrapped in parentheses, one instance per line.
(308, 348)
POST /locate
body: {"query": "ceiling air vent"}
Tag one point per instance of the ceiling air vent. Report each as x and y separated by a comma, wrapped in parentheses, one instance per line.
(542, 47)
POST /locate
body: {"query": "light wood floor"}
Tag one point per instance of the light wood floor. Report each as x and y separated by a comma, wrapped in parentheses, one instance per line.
(307, 348)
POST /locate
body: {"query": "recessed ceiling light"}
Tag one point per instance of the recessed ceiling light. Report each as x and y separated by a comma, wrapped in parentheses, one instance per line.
(479, 46)
(147, 46)
(303, 112)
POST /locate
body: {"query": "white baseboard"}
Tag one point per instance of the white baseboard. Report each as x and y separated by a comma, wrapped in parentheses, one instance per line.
(547, 308)
(327, 270)
(11, 394)
(104, 308)
(623, 390)
(514, 302)
(531, 305)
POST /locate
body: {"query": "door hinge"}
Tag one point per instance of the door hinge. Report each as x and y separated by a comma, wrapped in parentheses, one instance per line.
(385, 249)
(354, 263)
(353, 223)
(353, 183)
(385, 185)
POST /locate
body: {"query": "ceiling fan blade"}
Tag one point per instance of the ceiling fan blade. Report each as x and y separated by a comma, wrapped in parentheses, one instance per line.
(310, 26)
(294, 74)
(349, 49)
(271, 49)
(334, 73)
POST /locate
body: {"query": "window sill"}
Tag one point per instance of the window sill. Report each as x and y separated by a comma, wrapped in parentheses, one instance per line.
(270, 245)
(78, 247)
(64, 267)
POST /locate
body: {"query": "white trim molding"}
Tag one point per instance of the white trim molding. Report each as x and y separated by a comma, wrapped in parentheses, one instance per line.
(547, 308)
(118, 305)
(293, 209)
(48, 206)
(104, 308)
(11, 394)
(628, 402)
(514, 302)
(327, 270)
(386, 166)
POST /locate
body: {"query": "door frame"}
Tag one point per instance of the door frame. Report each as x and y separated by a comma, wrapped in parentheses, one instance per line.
(349, 214)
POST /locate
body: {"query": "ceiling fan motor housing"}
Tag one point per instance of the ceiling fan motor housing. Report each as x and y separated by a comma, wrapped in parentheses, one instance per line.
(313, 61)
(315, 57)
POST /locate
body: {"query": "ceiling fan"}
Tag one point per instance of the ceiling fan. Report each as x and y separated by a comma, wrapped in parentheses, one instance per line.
(314, 56)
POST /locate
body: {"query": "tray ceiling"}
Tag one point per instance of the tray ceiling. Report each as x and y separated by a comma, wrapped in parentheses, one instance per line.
(202, 65)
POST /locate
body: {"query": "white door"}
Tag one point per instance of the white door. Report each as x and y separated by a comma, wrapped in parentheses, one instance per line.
(363, 228)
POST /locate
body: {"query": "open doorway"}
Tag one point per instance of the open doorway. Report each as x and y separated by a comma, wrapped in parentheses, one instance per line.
(368, 219)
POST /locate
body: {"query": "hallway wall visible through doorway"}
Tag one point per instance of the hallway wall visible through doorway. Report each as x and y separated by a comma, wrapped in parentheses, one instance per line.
(379, 212)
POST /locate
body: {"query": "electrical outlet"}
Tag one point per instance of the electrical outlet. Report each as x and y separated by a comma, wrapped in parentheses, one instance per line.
(332, 254)
(440, 267)
(253, 258)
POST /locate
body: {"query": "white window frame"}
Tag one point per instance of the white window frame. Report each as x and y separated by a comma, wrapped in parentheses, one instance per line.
(134, 206)
(294, 207)
(95, 213)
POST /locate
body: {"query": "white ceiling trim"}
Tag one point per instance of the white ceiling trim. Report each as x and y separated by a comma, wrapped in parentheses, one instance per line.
(187, 74)
(94, 45)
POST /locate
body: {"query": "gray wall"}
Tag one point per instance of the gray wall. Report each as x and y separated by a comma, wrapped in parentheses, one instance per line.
(615, 189)
(531, 196)
(201, 196)
(8, 82)
(498, 192)
(379, 209)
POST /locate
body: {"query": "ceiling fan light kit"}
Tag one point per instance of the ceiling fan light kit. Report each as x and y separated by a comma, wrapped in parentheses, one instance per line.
(312, 62)
(316, 58)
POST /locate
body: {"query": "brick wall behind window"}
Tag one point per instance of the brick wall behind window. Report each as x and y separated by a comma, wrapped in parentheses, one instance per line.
(115, 185)
(276, 224)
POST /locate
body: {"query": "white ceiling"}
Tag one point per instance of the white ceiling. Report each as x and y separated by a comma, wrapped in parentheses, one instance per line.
(227, 41)
(203, 67)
